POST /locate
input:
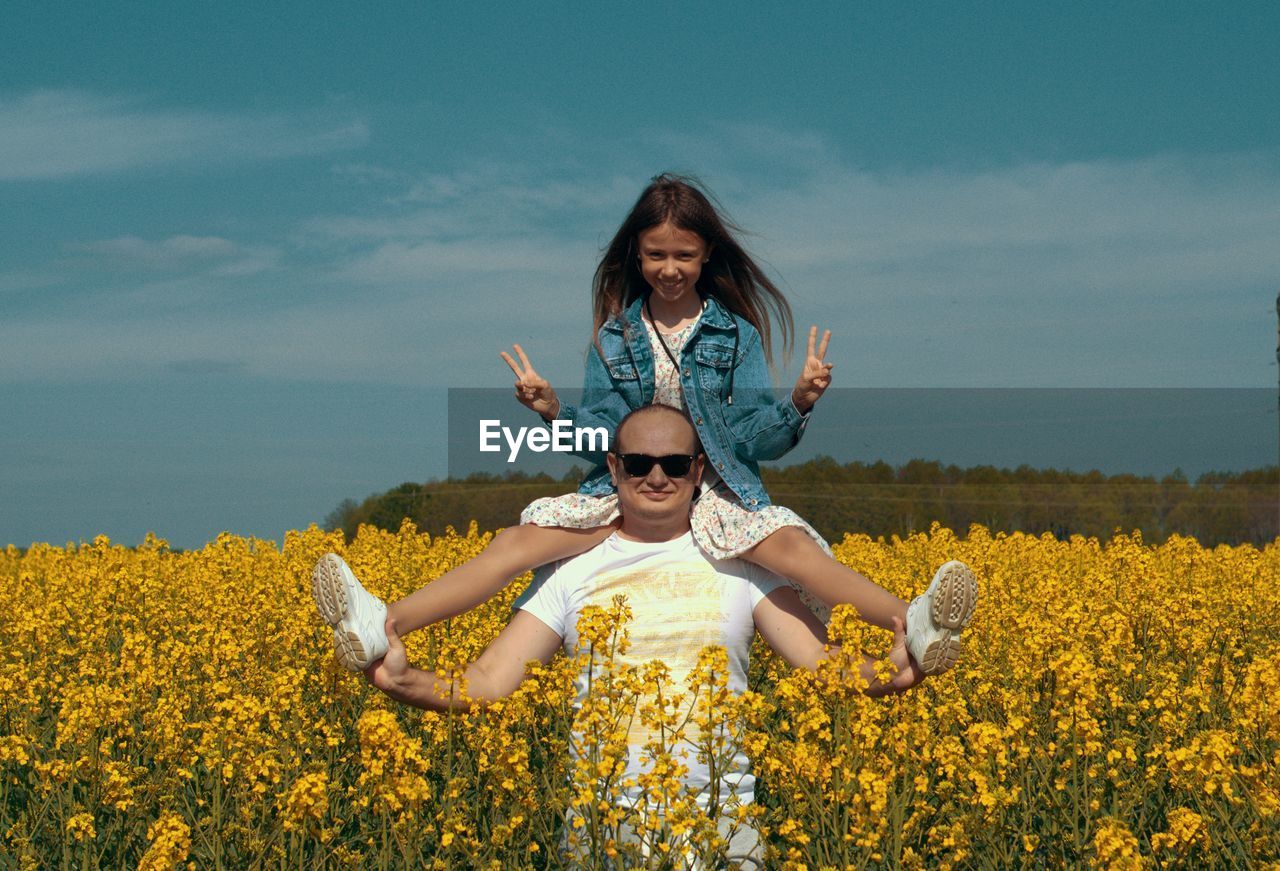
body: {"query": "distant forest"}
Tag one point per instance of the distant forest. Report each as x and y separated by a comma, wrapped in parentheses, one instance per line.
(880, 500)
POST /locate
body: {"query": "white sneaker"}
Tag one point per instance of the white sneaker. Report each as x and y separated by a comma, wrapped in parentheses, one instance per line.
(936, 618)
(357, 616)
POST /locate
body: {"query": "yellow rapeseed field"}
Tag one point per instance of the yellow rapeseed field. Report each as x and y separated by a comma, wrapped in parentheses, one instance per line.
(1119, 706)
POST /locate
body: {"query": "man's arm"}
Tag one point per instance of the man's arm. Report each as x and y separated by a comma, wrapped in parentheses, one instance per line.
(800, 638)
(494, 675)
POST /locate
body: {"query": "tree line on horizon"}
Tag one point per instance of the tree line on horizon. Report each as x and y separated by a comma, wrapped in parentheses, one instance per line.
(878, 499)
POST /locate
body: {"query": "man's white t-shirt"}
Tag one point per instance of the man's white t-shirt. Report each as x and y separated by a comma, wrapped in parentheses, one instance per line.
(681, 601)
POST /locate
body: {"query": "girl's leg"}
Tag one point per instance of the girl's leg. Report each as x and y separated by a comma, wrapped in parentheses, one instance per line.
(793, 554)
(513, 551)
(933, 621)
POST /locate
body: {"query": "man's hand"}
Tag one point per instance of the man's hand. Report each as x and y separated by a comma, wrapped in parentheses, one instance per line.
(390, 674)
(815, 378)
(909, 673)
(532, 390)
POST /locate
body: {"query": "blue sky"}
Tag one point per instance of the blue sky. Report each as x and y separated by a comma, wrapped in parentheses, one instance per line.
(248, 248)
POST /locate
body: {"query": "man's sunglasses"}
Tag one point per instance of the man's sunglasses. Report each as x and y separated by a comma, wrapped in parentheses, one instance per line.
(640, 465)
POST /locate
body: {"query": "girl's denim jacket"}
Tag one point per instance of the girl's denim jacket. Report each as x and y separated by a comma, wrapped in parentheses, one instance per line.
(735, 435)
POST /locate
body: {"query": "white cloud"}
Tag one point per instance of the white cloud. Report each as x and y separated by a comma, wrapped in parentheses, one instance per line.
(1128, 226)
(1098, 219)
(182, 253)
(428, 261)
(483, 202)
(473, 227)
(1140, 272)
(1159, 271)
(175, 249)
(53, 134)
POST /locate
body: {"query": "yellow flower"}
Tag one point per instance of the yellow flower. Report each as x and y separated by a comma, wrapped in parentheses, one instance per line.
(81, 828)
(307, 801)
(394, 765)
(1186, 831)
(170, 839)
(1099, 674)
(1116, 848)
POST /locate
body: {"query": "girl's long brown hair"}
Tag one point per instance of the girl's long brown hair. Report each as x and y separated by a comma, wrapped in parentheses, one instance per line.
(731, 276)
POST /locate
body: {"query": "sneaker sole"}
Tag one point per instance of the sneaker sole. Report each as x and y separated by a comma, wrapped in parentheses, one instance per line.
(349, 650)
(329, 588)
(954, 600)
(956, 596)
(942, 655)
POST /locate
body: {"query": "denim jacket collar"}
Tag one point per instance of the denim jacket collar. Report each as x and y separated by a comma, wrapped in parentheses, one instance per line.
(714, 315)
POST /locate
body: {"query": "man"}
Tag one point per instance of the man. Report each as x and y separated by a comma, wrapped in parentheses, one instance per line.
(681, 600)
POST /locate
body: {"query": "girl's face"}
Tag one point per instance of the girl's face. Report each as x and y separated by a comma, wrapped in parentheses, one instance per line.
(671, 260)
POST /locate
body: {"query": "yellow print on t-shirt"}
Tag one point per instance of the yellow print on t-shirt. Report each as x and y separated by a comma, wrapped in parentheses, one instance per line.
(677, 609)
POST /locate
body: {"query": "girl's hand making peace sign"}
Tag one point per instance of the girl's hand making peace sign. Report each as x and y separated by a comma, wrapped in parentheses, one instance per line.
(816, 376)
(534, 391)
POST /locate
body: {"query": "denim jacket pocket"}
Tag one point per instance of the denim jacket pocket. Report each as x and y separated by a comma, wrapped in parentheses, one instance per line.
(622, 369)
(714, 362)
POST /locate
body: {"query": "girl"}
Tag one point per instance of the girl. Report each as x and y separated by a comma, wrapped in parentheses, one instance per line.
(685, 317)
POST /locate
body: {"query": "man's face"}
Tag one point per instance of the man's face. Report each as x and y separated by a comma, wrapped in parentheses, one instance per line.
(655, 496)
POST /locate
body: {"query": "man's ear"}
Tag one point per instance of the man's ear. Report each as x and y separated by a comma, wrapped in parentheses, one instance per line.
(695, 476)
(611, 461)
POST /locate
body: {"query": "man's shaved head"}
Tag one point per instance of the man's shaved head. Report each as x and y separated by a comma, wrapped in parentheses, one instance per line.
(657, 415)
